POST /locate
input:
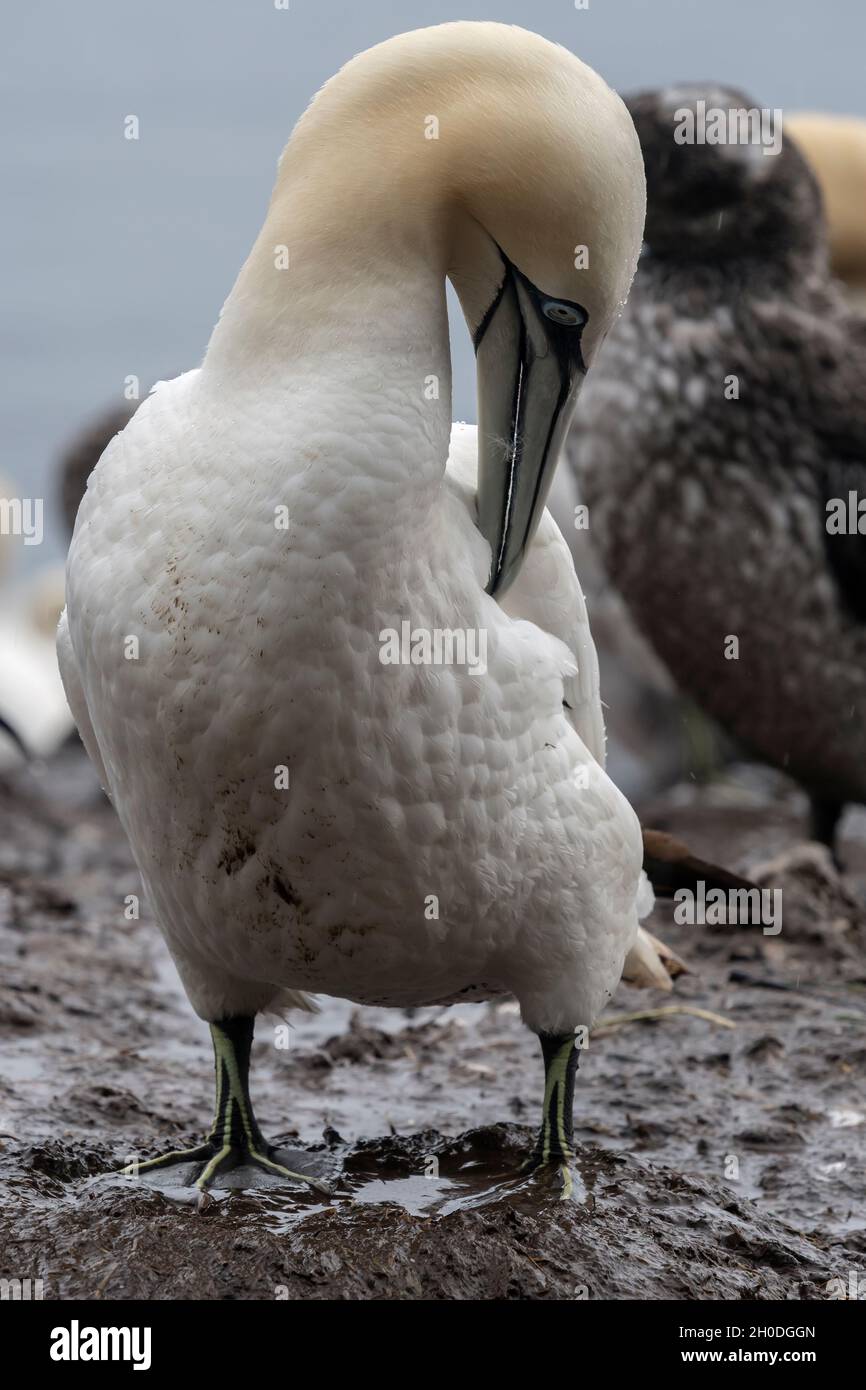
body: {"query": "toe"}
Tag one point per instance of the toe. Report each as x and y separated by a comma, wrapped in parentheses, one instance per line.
(170, 1160)
(270, 1165)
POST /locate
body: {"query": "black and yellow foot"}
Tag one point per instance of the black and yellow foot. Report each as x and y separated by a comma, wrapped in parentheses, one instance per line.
(235, 1138)
(554, 1148)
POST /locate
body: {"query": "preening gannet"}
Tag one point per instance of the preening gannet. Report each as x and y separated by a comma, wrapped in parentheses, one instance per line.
(721, 448)
(308, 815)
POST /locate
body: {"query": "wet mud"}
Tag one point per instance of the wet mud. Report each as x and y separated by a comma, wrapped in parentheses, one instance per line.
(721, 1129)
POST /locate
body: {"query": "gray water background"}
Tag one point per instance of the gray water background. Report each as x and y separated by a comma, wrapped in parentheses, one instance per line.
(116, 255)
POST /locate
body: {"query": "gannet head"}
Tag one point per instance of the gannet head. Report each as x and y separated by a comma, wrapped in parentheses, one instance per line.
(545, 209)
(484, 153)
(722, 182)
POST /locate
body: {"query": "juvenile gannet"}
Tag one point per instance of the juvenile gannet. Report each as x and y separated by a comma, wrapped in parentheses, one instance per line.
(306, 816)
(719, 443)
(83, 453)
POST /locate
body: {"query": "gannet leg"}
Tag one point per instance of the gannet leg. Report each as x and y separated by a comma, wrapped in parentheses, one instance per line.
(234, 1137)
(555, 1143)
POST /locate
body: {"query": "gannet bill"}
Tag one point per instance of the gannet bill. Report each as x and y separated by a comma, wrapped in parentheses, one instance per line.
(306, 815)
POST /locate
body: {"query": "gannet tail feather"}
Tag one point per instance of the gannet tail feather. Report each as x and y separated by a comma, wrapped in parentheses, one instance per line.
(668, 866)
(77, 701)
(650, 964)
(293, 999)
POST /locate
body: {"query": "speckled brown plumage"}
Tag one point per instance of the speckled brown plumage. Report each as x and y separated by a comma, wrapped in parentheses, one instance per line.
(709, 512)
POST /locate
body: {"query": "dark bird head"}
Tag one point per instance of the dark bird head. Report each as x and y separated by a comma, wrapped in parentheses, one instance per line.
(723, 178)
(83, 453)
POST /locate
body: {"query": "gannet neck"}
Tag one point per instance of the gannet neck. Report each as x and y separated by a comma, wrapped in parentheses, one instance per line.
(351, 259)
(420, 159)
(334, 273)
(479, 152)
(342, 299)
(355, 328)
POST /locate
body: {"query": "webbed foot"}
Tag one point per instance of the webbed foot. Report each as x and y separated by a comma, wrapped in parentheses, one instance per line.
(235, 1139)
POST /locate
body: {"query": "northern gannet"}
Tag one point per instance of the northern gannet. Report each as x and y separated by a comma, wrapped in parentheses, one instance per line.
(34, 714)
(719, 444)
(835, 147)
(29, 684)
(306, 815)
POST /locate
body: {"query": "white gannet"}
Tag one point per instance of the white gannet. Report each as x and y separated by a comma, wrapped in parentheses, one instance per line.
(34, 715)
(305, 815)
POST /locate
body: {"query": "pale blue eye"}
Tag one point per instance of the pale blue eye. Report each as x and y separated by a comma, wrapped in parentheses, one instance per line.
(564, 314)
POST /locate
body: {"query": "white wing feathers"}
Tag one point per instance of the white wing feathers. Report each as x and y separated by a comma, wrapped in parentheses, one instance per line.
(75, 697)
(547, 592)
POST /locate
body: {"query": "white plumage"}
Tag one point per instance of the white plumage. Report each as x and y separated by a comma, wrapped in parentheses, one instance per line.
(259, 649)
(31, 696)
(443, 835)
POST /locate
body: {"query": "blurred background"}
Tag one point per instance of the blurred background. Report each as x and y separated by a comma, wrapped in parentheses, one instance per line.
(116, 254)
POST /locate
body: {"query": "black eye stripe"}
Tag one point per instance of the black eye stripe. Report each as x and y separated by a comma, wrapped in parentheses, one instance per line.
(491, 309)
(542, 302)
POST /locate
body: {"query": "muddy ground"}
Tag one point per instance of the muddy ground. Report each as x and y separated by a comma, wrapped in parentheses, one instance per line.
(718, 1157)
